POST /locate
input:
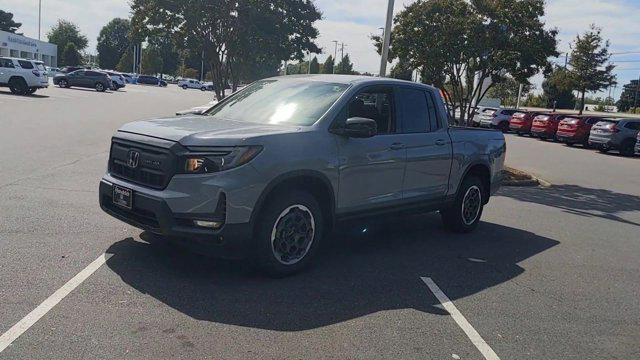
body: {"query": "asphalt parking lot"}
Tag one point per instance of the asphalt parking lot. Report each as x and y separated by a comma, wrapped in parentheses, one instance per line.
(551, 273)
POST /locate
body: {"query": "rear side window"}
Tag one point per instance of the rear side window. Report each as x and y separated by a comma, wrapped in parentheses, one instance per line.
(6, 63)
(92, 73)
(25, 64)
(508, 112)
(414, 110)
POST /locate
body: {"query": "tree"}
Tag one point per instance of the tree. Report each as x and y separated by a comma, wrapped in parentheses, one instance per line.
(7, 23)
(125, 64)
(314, 66)
(63, 33)
(327, 67)
(588, 61)
(151, 61)
(402, 70)
(345, 66)
(507, 91)
(241, 39)
(71, 55)
(113, 42)
(464, 47)
(558, 87)
(629, 97)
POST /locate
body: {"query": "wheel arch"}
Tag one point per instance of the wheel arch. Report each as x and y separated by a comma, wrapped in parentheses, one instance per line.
(483, 171)
(315, 182)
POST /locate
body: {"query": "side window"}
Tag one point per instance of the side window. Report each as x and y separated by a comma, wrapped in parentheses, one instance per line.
(91, 73)
(633, 125)
(433, 112)
(414, 111)
(375, 103)
(592, 121)
(25, 64)
(79, 73)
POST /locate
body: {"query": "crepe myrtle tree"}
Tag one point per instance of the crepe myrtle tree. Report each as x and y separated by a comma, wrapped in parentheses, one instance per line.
(589, 68)
(236, 36)
(460, 45)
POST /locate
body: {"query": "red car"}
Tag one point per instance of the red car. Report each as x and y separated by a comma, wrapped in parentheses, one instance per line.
(521, 122)
(575, 129)
(545, 126)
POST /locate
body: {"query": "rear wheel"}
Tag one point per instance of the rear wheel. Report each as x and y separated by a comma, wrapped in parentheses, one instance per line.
(520, 134)
(18, 86)
(464, 215)
(627, 147)
(63, 83)
(569, 143)
(31, 90)
(603, 149)
(288, 233)
(203, 88)
(100, 87)
(184, 87)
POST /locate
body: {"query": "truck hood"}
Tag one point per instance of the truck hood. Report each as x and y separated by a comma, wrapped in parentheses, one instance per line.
(205, 130)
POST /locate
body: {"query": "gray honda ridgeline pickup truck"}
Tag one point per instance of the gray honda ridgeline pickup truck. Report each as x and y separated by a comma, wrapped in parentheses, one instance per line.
(268, 171)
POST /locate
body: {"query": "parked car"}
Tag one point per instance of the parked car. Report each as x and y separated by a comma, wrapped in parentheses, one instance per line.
(478, 112)
(615, 134)
(194, 84)
(265, 174)
(151, 80)
(22, 76)
(545, 126)
(52, 71)
(522, 121)
(638, 144)
(117, 80)
(497, 119)
(94, 79)
(128, 78)
(575, 129)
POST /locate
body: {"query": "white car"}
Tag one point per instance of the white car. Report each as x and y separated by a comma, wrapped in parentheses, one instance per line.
(23, 76)
(194, 84)
(497, 119)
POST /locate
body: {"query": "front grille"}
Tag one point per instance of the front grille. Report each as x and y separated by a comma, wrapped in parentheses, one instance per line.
(154, 168)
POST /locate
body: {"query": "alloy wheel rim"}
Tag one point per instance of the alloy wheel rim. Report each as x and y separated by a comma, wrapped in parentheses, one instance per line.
(293, 234)
(471, 204)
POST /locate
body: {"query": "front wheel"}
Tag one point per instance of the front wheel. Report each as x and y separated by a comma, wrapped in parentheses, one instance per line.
(100, 87)
(464, 215)
(289, 233)
(184, 87)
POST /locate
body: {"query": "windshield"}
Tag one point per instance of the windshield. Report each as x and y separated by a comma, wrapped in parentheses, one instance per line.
(290, 101)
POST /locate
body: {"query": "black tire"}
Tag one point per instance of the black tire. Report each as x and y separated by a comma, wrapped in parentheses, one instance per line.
(459, 219)
(279, 216)
(32, 91)
(504, 127)
(184, 87)
(603, 149)
(18, 86)
(570, 144)
(520, 134)
(628, 147)
(63, 83)
(100, 87)
(203, 89)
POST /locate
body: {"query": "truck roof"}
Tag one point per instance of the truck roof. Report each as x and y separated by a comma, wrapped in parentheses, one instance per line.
(350, 79)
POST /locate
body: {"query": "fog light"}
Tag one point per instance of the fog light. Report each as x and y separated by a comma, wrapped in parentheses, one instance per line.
(208, 224)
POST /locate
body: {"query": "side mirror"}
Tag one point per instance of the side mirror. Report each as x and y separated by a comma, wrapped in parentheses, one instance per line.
(359, 127)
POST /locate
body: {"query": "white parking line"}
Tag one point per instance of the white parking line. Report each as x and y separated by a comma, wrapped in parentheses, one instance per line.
(23, 325)
(471, 333)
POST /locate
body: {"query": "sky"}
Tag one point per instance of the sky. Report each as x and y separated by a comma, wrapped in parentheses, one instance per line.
(353, 21)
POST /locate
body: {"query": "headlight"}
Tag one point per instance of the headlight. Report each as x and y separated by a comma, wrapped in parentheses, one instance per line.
(210, 160)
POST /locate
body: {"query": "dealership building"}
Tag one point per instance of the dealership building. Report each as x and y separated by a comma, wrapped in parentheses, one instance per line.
(19, 46)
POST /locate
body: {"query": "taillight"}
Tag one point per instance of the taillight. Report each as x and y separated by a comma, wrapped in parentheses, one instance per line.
(615, 128)
(35, 72)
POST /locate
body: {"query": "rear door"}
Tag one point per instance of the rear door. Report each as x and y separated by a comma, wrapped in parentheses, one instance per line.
(427, 143)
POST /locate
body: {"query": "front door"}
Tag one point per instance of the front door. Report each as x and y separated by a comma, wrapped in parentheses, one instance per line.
(428, 145)
(371, 169)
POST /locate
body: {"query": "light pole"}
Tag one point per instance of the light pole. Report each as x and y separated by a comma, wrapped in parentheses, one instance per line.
(39, 17)
(335, 55)
(387, 39)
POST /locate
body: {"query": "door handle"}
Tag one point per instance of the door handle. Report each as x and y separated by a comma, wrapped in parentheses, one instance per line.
(396, 146)
(440, 142)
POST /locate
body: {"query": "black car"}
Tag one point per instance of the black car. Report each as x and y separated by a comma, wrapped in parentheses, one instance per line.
(151, 80)
(84, 78)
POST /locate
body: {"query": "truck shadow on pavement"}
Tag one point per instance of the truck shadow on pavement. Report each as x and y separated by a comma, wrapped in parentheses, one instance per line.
(357, 274)
(602, 203)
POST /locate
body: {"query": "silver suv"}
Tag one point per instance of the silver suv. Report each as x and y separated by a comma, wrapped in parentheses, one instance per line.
(497, 119)
(615, 134)
(269, 170)
(23, 76)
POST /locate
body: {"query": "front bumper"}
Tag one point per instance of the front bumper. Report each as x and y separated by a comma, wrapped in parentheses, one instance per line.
(153, 213)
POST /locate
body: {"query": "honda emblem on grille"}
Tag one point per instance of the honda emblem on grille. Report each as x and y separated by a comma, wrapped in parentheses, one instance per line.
(134, 156)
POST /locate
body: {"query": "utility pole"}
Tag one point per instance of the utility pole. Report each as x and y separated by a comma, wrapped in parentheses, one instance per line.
(635, 101)
(309, 66)
(135, 49)
(519, 96)
(387, 39)
(39, 17)
(202, 66)
(335, 55)
(342, 45)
